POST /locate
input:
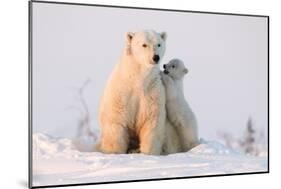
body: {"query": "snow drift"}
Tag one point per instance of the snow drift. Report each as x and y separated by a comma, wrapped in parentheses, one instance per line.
(57, 161)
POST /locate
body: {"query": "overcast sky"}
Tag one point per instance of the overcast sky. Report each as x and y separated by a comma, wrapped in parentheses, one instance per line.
(226, 57)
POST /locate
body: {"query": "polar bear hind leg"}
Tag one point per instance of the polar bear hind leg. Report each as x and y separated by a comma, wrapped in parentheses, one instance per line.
(114, 140)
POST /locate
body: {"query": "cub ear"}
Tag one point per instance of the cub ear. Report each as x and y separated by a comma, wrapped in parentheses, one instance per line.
(163, 35)
(185, 70)
(129, 37)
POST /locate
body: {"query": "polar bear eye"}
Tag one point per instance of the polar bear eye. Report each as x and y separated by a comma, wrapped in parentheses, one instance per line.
(173, 66)
(159, 45)
(144, 45)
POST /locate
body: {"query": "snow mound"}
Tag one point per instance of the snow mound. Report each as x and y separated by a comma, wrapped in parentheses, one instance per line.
(212, 147)
(57, 161)
(45, 145)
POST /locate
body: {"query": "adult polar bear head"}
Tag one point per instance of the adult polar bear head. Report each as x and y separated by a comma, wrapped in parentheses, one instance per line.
(147, 47)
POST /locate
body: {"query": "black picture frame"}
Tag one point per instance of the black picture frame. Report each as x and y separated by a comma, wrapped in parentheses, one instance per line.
(30, 89)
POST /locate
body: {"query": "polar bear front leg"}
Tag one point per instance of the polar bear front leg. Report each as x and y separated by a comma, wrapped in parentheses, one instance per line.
(152, 132)
(151, 139)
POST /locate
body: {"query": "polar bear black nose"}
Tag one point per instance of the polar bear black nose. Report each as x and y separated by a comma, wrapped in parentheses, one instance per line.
(156, 58)
(164, 66)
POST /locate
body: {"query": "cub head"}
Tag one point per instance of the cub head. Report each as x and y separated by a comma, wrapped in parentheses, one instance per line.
(146, 47)
(175, 68)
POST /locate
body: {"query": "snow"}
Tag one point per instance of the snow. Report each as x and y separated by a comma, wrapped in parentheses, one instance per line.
(57, 161)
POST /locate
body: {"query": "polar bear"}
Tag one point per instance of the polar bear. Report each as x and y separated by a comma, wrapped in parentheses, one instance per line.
(133, 104)
(179, 112)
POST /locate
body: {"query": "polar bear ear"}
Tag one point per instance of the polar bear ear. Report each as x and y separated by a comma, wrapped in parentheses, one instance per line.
(185, 70)
(163, 35)
(129, 37)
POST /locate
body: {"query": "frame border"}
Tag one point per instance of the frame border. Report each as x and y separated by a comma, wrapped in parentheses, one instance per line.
(146, 8)
(30, 91)
(30, 94)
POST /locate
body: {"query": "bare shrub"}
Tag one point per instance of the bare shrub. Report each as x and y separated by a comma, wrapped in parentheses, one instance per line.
(85, 137)
(251, 141)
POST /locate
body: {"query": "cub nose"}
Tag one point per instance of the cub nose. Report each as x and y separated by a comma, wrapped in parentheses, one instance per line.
(156, 58)
(164, 66)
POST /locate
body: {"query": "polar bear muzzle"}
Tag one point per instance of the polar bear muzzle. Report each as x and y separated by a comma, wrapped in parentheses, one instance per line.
(166, 72)
(156, 58)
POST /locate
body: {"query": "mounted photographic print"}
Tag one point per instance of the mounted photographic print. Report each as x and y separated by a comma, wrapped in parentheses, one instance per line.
(123, 94)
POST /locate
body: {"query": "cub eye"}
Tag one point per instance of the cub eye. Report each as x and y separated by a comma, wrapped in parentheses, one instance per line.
(144, 45)
(173, 66)
(159, 45)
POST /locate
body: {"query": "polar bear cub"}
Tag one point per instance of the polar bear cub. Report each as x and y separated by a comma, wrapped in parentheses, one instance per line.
(179, 112)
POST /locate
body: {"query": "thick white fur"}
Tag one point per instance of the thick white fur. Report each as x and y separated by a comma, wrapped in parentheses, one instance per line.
(133, 103)
(179, 112)
(172, 143)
